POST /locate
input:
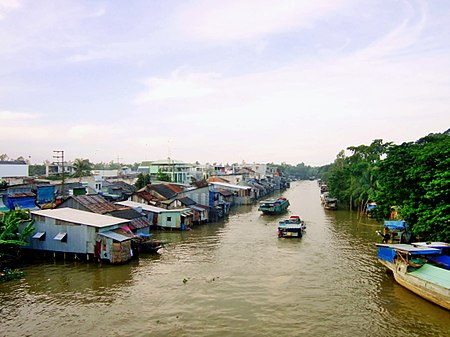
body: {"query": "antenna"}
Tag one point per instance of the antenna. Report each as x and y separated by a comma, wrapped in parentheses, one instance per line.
(59, 155)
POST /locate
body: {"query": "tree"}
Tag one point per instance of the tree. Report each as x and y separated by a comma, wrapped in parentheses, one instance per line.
(415, 176)
(353, 179)
(143, 179)
(10, 237)
(162, 176)
(82, 167)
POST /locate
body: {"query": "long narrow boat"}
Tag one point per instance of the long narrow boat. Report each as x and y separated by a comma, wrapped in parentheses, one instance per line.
(276, 206)
(412, 268)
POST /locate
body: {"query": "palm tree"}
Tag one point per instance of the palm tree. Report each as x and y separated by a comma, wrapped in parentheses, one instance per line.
(82, 167)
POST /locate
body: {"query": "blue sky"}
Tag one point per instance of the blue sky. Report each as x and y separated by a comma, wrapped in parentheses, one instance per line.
(220, 81)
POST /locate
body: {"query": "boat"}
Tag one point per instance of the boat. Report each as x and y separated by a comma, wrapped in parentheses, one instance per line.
(413, 268)
(442, 260)
(273, 206)
(370, 208)
(146, 244)
(327, 201)
(294, 227)
(395, 232)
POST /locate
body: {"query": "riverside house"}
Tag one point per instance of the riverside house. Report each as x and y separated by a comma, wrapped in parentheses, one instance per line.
(81, 234)
(180, 218)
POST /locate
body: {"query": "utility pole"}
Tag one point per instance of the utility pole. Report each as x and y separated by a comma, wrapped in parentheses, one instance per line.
(59, 155)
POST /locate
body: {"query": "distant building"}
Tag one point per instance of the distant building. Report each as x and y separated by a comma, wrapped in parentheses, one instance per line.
(178, 171)
(57, 168)
(13, 169)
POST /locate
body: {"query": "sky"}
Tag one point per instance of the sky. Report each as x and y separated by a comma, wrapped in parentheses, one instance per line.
(253, 81)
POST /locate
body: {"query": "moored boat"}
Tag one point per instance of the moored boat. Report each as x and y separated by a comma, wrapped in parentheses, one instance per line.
(412, 268)
(146, 244)
(294, 227)
(276, 206)
(327, 201)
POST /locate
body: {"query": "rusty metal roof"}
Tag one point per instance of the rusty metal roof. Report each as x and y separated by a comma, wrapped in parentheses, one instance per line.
(96, 203)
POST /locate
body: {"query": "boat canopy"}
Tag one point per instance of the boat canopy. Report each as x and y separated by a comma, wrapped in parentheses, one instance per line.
(397, 225)
(387, 252)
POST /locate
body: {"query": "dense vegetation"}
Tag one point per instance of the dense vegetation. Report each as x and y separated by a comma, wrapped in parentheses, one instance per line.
(299, 171)
(413, 176)
(10, 238)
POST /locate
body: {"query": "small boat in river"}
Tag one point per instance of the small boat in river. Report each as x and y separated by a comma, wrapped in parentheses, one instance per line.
(294, 227)
(276, 206)
(413, 267)
(146, 244)
(328, 202)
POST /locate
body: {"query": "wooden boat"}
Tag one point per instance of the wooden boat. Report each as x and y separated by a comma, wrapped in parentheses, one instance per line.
(327, 201)
(395, 232)
(146, 244)
(294, 227)
(276, 206)
(412, 268)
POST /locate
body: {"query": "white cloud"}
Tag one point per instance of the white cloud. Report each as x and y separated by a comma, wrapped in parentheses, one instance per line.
(7, 6)
(11, 117)
(404, 36)
(177, 86)
(235, 19)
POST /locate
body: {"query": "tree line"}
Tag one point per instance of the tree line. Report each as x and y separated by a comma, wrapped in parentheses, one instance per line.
(414, 177)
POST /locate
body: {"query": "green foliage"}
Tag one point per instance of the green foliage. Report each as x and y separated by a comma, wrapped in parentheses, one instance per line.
(413, 176)
(142, 180)
(416, 177)
(10, 237)
(3, 184)
(82, 167)
(300, 171)
(353, 179)
(36, 170)
(8, 275)
(162, 176)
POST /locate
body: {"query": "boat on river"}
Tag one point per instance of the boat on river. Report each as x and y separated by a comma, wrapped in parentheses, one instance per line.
(273, 206)
(413, 268)
(294, 227)
(146, 244)
(328, 202)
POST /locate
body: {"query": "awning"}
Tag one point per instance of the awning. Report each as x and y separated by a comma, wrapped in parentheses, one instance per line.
(38, 235)
(186, 214)
(196, 208)
(114, 236)
(61, 236)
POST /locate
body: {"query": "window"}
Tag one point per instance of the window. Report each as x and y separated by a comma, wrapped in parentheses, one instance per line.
(169, 219)
(39, 236)
(61, 236)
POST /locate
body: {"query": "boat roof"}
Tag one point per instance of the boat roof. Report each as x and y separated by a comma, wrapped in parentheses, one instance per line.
(398, 224)
(431, 244)
(413, 250)
(289, 225)
(433, 274)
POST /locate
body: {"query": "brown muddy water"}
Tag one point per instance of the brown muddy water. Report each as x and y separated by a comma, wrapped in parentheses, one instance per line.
(234, 278)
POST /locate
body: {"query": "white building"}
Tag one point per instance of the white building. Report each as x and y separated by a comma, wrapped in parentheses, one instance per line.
(13, 169)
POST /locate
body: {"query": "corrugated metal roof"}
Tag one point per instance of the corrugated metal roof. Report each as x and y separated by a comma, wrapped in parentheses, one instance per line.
(145, 207)
(95, 203)
(187, 201)
(225, 185)
(139, 223)
(115, 236)
(80, 217)
(197, 208)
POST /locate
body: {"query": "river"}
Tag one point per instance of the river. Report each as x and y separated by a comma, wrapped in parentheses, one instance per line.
(232, 278)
